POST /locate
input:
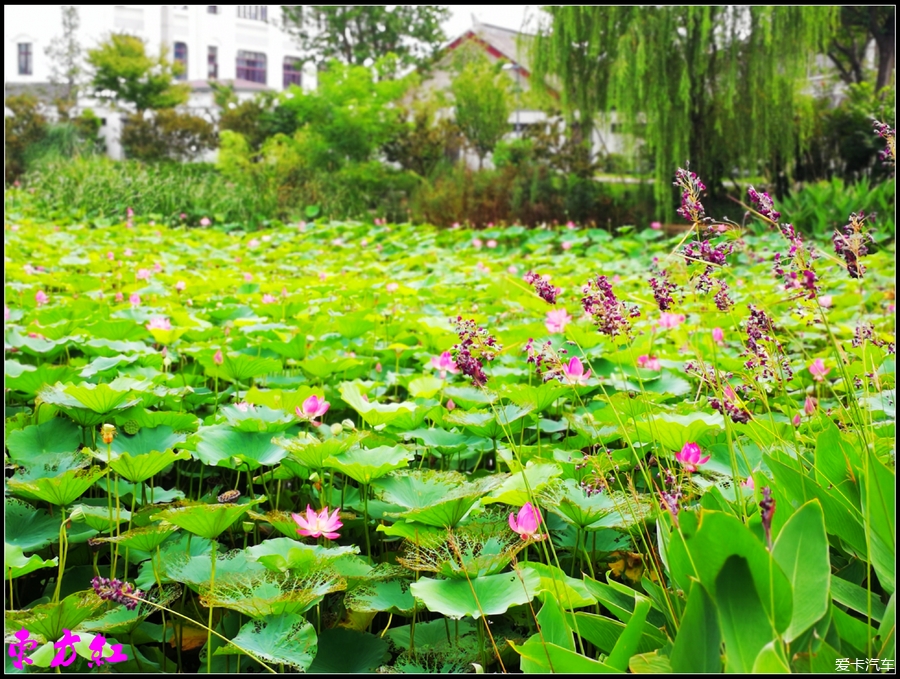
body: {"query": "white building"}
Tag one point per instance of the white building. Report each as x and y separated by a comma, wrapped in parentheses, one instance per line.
(239, 44)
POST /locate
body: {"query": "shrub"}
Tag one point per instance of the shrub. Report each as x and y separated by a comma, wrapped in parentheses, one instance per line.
(167, 135)
(822, 207)
(25, 127)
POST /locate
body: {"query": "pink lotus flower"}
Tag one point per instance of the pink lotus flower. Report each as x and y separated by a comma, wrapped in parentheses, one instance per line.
(135, 299)
(444, 363)
(248, 276)
(512, 270)
(268, 299)
(648, 362)
(243, 406)
(253, 243)
(218, 359)
(527, 522)
(180, 286)
(477, 243)
(312, 407)
(718, 336)
(566, 245)
(40, 297)
(557, 320)
(143, 274)
(825, 301)
(159, 324)
(5, 312)
(809, 407)
(110, 255)
(205, 221)
(689, 457)
(796, 420)
(157, 267)
(378, 367)
(120, 297)
(128, 252)
(656, 226)
(574, 372)
(491, 243)
(392, 287)
(818, 370)
(129, 212)
(729, 393)
(314, 525)
(748, 483)
(450, 404)
(667, 320)
(322, 276)
(571, 225)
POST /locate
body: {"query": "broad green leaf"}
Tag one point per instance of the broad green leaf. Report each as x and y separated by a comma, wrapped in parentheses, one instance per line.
(207, 521)
(139, 468)
(628, 642)
(513, 490)
(35, 443)
(366, 464)
(743, 620)
(547, 657)
(147, 440)
(771, 660)
(879, 506)
(280, 640)
(403, 415)
(332, 657)
(568, 592)
(61, 490)
(221, 445)
(27, 527)
(696, 649)
(16, 564)
(802, 552)
(487, 595)
(425, 387)
(389, 596)
(434, 498)
(855, 597)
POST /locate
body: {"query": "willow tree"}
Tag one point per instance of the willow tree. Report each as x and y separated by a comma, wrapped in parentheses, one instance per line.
(715, 85)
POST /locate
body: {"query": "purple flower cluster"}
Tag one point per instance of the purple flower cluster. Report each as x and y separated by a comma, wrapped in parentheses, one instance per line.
(888, 134)
(760, 332)
(670, 494)
(763, 204)
(727, 405)
(116, 590)
(662, 289)
(608, 313)
(546, 362)
(542, 287)
(705, 252)
(865, 332)
(766, 513)
(721, 298)
(691, 186)
(852, 244)
(475, 346)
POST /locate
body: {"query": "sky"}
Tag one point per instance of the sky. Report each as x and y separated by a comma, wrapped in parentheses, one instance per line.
(506, 16)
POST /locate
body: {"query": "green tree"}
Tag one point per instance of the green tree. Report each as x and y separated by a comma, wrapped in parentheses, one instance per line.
(716, 85)
(361, 34)
(64, 52)
(121, 67)
(26, 127)
(858, 27)
(482, 105)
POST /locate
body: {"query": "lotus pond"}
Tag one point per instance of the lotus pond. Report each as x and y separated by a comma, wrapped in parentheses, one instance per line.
(353, 448)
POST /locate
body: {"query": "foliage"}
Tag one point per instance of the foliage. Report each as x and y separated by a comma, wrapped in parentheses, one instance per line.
(122, 71)
(361, 34)
(24, 128)
(527, 525)
(859, 25)
(481, 105)
(423, 139)
(64, 52)
(822, 207)
(693, 75)
(166, 135)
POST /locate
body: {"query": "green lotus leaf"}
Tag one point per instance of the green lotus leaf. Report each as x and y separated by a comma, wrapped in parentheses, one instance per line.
(282, 546)
(97, 517)
(508, 419)
(568, 592)
(429, 635)
(139, 468)
(145, 539)
(257, 419)
(411, 531)
(311, 452)
(279, 399)
(153, 419)
(143, 493)
(470, 397)
(447, 441)
(47, 621)
(31, 381)
(221, 445)
(147, 440)
(35, 346)
(16, 564)
(283, 640)
(537, 398)
(324, 367)
(207, 521)
(425, 387)
(388, 596)
(166, 337)
(27, 527)
(435, 499)
(672, 431)
(366, 464)
(104, 364)
(487, 595)
(61, 490)
(513, 490)
(101, 398)
(568, 500)
(401, 415)
(237, 367)
(45, 443)
(369, 652)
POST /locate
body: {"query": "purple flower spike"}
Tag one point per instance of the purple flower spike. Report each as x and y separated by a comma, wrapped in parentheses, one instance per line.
(115, 590)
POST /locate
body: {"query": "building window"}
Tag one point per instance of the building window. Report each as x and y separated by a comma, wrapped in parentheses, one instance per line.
(251, 66)
(181, 58)
(254, 12)
(212, 61)
(25, 58)
(291, 71)
(212, 9)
